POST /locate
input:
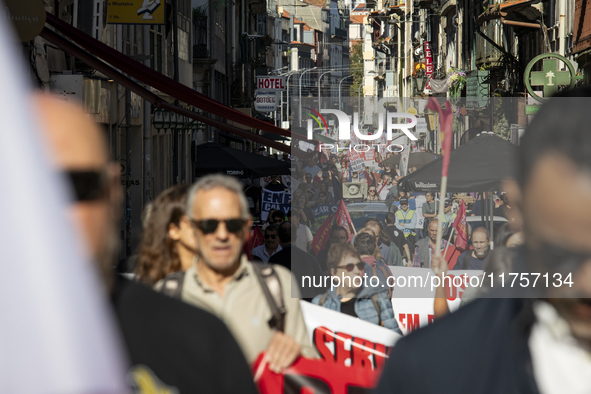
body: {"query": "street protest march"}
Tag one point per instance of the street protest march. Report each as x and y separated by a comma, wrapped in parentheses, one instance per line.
(352, 351)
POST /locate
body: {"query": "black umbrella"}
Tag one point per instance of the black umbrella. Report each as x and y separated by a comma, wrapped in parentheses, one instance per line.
(213, 158)
(477, 166)
(415, 159)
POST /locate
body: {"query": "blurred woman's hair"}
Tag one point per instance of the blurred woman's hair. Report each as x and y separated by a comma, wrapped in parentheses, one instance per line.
(157, 252)
(383, 237)
(337, 253)
(500, 261)
(503, 234)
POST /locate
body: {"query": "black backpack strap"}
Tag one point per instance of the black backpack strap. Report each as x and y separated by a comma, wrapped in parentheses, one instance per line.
(172, 285)
(376, 304)
(271, 286)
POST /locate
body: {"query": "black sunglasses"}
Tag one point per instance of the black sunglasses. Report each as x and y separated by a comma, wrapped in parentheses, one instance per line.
(273, 236)
(88, 185)
(350, 267)
(209, 226)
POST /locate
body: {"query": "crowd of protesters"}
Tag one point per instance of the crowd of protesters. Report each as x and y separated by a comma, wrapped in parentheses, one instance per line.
(193, 249)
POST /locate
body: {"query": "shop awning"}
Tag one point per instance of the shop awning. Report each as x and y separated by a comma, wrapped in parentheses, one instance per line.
(96, 49)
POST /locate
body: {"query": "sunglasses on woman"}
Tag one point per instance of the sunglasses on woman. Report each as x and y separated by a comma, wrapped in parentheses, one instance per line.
(350, 267)
(209, 226)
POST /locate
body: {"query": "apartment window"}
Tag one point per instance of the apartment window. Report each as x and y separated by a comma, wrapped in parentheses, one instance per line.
(156, 48)
(262, 24)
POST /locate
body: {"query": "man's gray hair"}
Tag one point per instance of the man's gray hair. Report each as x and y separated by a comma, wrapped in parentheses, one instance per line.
(214, 181)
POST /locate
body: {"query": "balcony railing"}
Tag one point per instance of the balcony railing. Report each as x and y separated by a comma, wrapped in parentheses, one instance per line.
(340, 33)
(200, 51)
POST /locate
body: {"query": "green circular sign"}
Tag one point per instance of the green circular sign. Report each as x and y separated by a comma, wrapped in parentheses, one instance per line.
(550, 78)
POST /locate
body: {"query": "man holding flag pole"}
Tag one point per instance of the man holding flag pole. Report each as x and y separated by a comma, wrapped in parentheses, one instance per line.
(446, 126)
(438, 264)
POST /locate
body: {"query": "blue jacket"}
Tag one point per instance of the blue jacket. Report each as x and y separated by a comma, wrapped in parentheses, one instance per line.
(364, 306)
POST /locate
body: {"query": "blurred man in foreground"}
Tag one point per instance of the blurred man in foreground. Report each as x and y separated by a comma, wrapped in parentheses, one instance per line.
(531, 345)
(173, 347)
(224, 282)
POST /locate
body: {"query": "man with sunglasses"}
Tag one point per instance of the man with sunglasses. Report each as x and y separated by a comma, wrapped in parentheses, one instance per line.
(172, 347)
(224, 282)
(271, 245)
(277, 217)
(541, 342)
(372, 194)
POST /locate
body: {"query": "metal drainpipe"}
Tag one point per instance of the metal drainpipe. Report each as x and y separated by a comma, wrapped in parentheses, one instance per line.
(561, 28)
(128, 171)
(175, 37)
(147, 128)
(212, 69)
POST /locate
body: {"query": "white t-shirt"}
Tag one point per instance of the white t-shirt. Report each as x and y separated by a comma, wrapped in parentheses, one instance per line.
(304, 235)
(560, 364)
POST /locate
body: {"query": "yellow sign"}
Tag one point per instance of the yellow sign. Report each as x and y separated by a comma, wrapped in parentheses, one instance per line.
(132, 12)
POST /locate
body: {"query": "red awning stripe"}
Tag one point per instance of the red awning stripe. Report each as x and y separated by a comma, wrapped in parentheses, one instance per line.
(157, 80)
(104, 68)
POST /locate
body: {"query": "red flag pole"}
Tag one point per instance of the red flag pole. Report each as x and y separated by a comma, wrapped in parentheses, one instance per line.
(449, 240)
(442, 193)
(446, 125)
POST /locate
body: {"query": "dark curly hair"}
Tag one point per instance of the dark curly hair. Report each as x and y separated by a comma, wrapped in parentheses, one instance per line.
(157, 253)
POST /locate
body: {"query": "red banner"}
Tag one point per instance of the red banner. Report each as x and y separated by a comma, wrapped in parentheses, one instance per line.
(446, 121)
(460, 226)
(370, 155)
(343, 219)
(322, 235)
(331, 374)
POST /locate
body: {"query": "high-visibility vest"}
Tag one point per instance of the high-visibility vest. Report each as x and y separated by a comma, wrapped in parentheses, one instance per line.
(406, 219)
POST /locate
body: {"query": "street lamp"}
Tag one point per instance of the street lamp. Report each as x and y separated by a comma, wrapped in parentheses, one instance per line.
(158, 121)
(166, 124)
(289, 75)
(319, 79)
(340, 82)
(300, 95)
(419, 82)
(277, 70)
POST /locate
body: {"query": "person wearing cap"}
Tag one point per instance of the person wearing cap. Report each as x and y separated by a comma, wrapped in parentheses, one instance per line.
(406, 221)
(447, 217)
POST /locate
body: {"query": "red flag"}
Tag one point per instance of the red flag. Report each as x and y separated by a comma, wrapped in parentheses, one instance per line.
(446, 121)
(322, 235)
(318, 375)
(256, 239)
(343, 219)
(460, 226)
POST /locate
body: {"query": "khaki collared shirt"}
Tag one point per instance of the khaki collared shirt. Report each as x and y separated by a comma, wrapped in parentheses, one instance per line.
(245, 309)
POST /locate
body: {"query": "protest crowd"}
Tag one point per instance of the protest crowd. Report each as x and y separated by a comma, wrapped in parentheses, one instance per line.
(226, 291)
(215, 298)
